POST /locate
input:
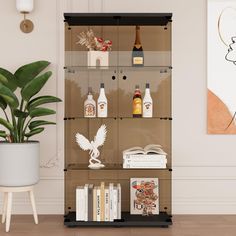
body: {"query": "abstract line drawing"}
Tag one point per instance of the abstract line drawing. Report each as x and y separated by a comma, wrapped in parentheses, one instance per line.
(221, 69)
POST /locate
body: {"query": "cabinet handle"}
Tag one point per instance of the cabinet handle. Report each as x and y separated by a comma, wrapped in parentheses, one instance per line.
(124, 77)
(113, 77)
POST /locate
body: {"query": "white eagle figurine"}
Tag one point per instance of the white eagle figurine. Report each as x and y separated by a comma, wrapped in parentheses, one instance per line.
(92, 146)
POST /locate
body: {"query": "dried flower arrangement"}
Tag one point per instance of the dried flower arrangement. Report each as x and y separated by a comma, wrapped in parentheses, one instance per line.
(90, 41)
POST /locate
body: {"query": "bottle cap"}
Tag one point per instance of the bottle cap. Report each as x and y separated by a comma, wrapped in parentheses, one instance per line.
(147, 85)
(102, 85)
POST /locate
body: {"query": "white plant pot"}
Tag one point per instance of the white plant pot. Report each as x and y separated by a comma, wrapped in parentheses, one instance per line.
(19, 164)
(99, 58)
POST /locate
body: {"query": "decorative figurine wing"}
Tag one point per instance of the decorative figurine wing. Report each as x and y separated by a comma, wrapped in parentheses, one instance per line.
(83, 142)
(100, 137)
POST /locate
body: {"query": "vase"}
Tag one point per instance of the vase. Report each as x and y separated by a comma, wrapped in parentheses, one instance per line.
(19, 164)
(98, 59)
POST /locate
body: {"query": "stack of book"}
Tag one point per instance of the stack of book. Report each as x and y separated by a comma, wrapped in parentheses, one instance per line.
(98, 203)
(150, 157)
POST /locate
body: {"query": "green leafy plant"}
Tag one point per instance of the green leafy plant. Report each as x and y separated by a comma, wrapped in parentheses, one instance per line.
(20, 112)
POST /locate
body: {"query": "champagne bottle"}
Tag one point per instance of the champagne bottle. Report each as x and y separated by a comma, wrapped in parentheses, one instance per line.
(102, 102)
(147, 102)
(89, 105)
(137, 54)
(137, 103)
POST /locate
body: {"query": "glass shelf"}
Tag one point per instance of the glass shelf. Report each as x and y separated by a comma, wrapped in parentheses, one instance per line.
(120, 68)
(109, 167)
(116, 118)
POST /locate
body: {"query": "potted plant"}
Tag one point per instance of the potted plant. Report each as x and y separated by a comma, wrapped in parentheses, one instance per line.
(19, 122)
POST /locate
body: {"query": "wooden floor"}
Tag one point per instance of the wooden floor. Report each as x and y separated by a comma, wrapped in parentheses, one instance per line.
(183, 225)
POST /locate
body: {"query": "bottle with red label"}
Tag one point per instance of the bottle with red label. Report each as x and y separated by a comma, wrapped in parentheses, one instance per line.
(89, 105)
(137, 102)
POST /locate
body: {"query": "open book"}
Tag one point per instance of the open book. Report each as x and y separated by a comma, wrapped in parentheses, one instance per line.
(149, 149)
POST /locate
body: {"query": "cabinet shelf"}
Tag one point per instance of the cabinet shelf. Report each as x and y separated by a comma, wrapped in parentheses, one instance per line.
(76, 69)
(128, 220)
(110, 167)
(117, 118)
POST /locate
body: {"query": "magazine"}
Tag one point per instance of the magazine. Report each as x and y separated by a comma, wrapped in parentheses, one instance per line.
(149, 149)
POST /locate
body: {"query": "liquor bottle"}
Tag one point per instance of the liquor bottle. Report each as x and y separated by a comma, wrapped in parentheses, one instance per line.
(147, 102)
(137, 54)
(102, 102)
(89, 105)
(137, 103)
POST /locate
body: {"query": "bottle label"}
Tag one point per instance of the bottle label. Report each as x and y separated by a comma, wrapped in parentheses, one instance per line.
(147, 109)
(147, 106)
(102, 106)
(137, 60)
(102, 109)
(137, 106)
(89, 110)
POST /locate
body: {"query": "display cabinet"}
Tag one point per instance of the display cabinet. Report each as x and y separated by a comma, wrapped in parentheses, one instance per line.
(123, 131)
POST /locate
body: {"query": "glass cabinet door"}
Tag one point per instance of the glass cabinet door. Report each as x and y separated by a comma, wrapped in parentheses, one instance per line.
(155, 41)
(77, 83)
(77, 54)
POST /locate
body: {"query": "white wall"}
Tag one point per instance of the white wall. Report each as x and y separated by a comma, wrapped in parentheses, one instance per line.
(204, 173)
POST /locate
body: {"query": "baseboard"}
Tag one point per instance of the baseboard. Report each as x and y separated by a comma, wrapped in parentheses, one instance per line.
(220, 207)
(44, 206)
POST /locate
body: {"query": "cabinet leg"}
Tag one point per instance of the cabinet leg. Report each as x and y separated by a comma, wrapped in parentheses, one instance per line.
(8, 216)
(4, 209)
(31, 194)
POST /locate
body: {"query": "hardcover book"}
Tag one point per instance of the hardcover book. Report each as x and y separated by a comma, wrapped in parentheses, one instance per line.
(80, 203)
(144, 196)
(149, 149)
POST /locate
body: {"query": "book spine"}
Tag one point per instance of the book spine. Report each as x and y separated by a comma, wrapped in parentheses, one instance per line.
(111, 201)
(146, 161)
(95, 204)
(80, 211)
(115, 203)
(86, 201)
(138, 157)
(98, 204)
(118, 201)
(107, 205)
(102, 202)
(144, 165)
(90, 202)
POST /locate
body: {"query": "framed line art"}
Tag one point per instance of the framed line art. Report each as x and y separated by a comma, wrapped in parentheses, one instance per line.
(221, 67)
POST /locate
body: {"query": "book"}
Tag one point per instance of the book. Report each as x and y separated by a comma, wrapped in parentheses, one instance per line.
(118, 201)
(86, 202)
(149, 149)
(111, 185)
(95, 203)
(144, 157)
(102, 202)
(90, 202)
(144, 196)
(107, 204)
(115, 206)
(143, 165)
(98, 204)
(80, 203)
